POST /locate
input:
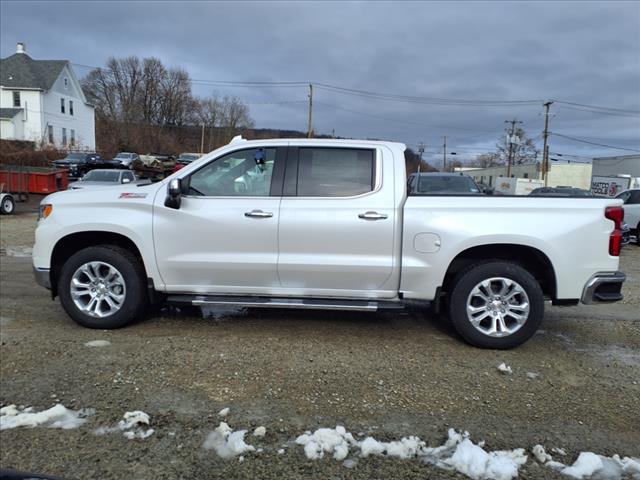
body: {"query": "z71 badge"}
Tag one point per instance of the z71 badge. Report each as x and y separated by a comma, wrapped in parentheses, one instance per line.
(133, 195)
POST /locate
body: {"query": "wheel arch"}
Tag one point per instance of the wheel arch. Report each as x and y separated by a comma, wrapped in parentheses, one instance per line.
(74, 242)
(530, 258)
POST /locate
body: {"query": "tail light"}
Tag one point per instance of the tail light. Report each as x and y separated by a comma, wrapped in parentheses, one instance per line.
(615, 240)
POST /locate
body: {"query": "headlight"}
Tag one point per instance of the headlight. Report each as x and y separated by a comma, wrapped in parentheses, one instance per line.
(45, 210)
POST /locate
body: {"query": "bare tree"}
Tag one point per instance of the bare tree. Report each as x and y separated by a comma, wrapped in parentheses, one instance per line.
(486, 160)
(524, 151)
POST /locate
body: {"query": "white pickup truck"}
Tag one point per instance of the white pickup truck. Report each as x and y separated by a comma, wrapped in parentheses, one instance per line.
(325, 224)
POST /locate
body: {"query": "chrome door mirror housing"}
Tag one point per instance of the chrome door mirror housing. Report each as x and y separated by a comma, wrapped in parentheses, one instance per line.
(174, 194)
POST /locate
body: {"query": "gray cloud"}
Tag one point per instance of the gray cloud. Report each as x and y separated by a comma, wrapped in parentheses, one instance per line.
(583, 52)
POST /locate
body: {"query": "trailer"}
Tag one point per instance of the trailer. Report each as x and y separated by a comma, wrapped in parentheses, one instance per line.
(517, 186)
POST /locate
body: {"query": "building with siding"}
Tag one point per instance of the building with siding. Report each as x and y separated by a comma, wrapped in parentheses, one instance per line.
(42, 101)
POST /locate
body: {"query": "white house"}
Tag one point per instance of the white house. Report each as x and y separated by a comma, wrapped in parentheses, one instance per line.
(42, 101)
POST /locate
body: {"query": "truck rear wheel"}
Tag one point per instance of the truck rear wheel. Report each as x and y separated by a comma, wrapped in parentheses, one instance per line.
(496, 304)
(103, 287)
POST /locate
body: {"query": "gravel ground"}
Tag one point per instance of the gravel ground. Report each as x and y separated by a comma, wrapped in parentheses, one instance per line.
(388, 375)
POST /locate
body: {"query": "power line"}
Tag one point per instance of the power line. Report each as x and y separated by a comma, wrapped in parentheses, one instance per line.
(399, 97)
(594, 143)
(595, 107)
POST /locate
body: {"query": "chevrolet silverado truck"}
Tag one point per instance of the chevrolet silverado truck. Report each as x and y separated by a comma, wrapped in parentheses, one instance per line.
(325, 224)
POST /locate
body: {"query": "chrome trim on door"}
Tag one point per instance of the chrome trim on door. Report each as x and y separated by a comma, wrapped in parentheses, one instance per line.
(258, 214)
(372, 216)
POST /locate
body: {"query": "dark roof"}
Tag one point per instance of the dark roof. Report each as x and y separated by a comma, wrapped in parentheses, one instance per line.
(9, 112)
(21, 71)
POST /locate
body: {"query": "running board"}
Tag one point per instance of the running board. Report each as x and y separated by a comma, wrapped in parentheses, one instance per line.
(272, 302)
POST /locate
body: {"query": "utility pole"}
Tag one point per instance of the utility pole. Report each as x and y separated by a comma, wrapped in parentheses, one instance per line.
(310, 126)
(202, 140)
(444, 155)
(510, 139)
(545, 148)
(420, 152)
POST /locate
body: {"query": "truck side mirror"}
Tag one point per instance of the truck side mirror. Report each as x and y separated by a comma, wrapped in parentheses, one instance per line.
(174, 194)
(126, 180)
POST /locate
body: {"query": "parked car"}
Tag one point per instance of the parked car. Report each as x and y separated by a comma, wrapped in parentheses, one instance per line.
(106, 178)
(7, 204)
(185, 159)
(626, 234)
(442, 184)
(79, 163)
(562, 192)
(631, 199)
(126, 159)
(325, 224)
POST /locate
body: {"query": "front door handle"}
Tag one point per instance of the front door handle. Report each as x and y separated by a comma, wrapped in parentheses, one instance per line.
(258, 214)
(372, 216)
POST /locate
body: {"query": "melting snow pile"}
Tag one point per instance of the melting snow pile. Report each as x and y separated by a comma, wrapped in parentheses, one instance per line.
(260, 432)
(458, 453)
(504, 368)
(334, 441)
(589, 465)
(131, 426)
(226, 442)
(57, 416)
(224, 412)
(98, 343)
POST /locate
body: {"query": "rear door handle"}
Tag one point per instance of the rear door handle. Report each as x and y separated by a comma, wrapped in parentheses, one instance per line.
(372, 216)
(258, 214)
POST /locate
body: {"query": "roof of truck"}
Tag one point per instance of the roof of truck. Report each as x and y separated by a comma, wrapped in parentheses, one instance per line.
(238, 140)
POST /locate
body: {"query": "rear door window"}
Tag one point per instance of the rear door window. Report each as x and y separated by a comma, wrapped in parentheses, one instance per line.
(335, 172)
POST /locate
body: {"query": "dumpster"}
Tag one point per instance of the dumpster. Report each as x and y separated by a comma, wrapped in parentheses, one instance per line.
(26, 179)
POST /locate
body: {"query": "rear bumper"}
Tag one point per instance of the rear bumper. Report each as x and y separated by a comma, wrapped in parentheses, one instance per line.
(604, 287)
(42, 277)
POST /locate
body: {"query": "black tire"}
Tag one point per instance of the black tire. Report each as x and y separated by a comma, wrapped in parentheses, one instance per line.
(8, 205)
(466, 281)
(638, 234)
(132, 271)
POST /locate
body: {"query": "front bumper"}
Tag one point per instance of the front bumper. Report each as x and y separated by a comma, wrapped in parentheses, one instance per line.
(604, 287)
(42, 277)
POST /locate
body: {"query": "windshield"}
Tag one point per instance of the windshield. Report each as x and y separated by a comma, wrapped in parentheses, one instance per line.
(75, 157)
(185, 157)
(101, 176)
(446, 184)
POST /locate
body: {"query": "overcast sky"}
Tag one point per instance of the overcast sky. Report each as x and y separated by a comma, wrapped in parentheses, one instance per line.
(581, 52)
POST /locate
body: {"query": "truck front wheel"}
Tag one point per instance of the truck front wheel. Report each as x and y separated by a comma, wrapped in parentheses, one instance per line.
(103, 287)
(496, 304)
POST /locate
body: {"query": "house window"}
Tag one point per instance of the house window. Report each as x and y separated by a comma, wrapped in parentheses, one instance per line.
(526, 175)
(64, 137)
(16, 99)
(62, 105)
(70, 107)
(66, 82)
(72, 140)
(50, 133)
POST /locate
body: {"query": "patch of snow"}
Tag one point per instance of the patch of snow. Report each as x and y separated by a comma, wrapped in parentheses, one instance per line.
(17, 251)
(532, 375)
(226, 442)
(130, 426)
(98, 343)
(330, 440)
(350, 463)
(370, 446)
(281, 451)
(591, 465)
(504, 368)
(224, 412)
(476, 463)
(407, 447)
(260, 431)
(559, 451)
(540, 454)
(585, 465)
(57, 416)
